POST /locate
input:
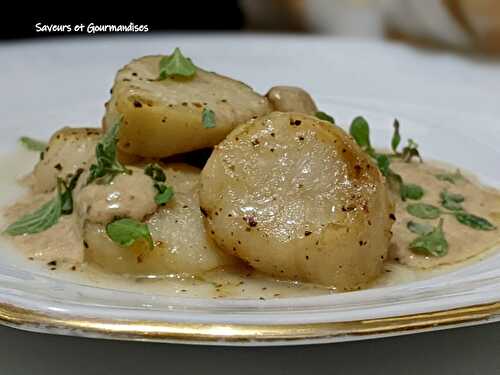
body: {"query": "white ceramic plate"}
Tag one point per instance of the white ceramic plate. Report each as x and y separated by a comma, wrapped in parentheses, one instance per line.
(448, 103)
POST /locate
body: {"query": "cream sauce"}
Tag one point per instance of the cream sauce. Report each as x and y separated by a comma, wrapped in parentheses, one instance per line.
(60, 247)
(464, 242)
(128, 195)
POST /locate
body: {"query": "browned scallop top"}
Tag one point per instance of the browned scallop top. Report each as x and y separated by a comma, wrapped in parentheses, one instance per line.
(287, 167)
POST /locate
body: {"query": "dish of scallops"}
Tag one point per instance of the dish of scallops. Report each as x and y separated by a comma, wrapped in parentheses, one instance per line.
(200, 200)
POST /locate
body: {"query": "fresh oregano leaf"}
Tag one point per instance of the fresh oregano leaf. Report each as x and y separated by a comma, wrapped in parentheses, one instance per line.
(176, 65)
(410, 151)
(208, 118)
(49, 213)
(452, 178)
(33, 144)
(411, 191)
(451, 201)
(432, 243)
(419, 228)
(66, 192)
(474, 221)
(324, 116)
(165, 194)
(43, 218)
(423, 210)
(396, 137)
(383, 163)
(155, 172)
(107, 165)
(360, 131)
(126, 232)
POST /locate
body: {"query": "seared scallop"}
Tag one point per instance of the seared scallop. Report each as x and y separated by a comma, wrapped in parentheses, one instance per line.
(181, 245)
(165, 117)
(68, 150)
(296, 198)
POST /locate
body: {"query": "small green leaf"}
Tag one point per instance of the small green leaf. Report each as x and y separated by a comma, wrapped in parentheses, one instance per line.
(33, 144)
(396, 137)
(451, 201)
(107, 165)
(66, 192)
(43, 218)
(395, 180)
(445, 195)
(324, 116)
(360, 131)
(433, 243)
(165, 194)
(208, 118)
(48, 214)
(383, 163)
(419, 228)
(411, 191)
(452, 206)
(176, 65)
(423, 210)
(410, 151)
(452, 178)
(155, 172)
(474, 221)
(126, 231)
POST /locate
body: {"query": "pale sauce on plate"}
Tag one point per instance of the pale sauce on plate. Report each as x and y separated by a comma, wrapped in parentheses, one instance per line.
(59, 253)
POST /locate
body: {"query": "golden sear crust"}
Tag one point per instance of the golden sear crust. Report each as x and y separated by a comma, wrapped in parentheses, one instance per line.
(295, 197)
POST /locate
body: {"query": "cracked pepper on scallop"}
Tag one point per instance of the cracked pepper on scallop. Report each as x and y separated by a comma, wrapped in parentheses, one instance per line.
(295, 197)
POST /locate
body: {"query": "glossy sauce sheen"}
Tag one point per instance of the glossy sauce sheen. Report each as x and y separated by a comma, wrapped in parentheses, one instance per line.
(60, 253)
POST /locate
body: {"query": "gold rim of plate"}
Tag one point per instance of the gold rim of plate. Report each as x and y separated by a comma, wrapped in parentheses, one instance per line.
(32, 320)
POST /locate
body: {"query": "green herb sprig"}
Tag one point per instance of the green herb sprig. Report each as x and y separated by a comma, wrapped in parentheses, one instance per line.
(411, 191)
(451, 205)
(208, 118)
(66, 192)
(424, 211)
(360, 131)
(49, 213)
(396, 137)
(452, 178)
(419, 228)
(155, 172)
(164, 193)
(474, 221)
(409, 151)
(324, 116)
(126, 232)
(33, 144)
(431, 242)
(176, 65)
(451, 201)
(38, 221)
(107, 165)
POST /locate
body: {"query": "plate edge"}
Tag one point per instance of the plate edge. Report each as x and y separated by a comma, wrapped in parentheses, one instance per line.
(242, 334)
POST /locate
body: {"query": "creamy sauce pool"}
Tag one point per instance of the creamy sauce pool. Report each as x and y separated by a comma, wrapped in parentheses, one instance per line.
(58, 251)
(464, 242)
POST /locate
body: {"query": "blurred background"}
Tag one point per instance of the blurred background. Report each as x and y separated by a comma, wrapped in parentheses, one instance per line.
(470, 25)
